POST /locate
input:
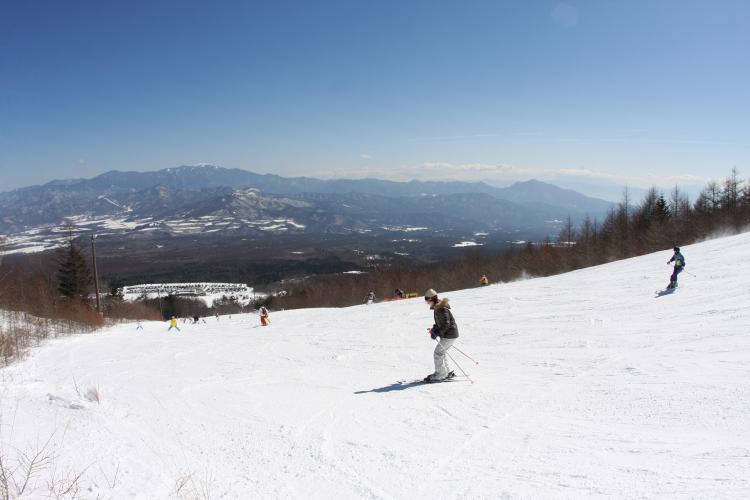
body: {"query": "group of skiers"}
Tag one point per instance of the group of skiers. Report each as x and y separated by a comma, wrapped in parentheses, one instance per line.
(370, 297)
(444, 329)
(173, 323)
(400, 294)
(265, 320)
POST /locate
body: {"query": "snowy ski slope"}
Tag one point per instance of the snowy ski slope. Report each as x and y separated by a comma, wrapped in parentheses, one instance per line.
(589, 386)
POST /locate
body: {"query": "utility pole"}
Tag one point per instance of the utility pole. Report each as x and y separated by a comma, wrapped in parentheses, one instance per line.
(96, 275)
(158, 294)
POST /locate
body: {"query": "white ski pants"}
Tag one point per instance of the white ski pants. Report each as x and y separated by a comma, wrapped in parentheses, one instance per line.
(441, 363)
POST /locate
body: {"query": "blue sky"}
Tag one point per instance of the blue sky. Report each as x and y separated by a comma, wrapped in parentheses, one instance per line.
(637, 92)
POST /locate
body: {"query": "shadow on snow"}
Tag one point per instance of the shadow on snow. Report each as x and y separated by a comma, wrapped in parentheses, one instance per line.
(400, 386)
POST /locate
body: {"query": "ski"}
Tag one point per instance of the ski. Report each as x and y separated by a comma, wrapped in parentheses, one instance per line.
(451, 375)
(452, 379)
(421, 381)
(424, 381)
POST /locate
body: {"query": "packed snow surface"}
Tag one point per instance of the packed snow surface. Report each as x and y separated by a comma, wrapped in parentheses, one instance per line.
(589, 386)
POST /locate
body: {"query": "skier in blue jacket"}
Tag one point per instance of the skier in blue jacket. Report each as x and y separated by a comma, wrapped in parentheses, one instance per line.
(679, 265)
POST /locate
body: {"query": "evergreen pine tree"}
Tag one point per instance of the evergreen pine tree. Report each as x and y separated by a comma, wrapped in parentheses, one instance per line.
(74, 277)
(661, 210)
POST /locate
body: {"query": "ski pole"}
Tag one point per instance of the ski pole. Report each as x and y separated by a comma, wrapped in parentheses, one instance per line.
(429, 332)
(691, 274)
(459, 350)
(459, 367)
(445, 351)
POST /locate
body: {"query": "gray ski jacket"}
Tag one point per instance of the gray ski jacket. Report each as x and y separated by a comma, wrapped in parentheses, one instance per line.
(445, 325)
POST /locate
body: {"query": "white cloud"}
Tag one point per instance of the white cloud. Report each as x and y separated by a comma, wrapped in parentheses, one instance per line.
(453, 138)
(437, 165)
(504, 173)
(636, 180)
(480, 170)
(81, 161)
(509, 173)
(365, 156)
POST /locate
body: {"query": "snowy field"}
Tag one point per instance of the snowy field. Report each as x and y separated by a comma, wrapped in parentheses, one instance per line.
(589, 386)
(207, 293)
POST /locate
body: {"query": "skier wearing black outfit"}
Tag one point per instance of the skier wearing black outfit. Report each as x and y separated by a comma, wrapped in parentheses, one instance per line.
(444, 328)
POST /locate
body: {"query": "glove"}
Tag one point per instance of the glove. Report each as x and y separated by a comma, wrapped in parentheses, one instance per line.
(432, 335)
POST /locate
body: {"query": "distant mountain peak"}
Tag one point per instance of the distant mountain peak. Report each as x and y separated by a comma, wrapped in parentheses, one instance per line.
(175, 190)
(533, 182)
(197, 166)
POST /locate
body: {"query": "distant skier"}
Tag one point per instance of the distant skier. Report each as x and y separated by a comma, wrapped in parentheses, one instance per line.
(369, 298)
(484, 281)
(264, 319)
(446, 329)
(173, 324)
(679, 265)
(139, 327)
(399, 293)
(196, 319)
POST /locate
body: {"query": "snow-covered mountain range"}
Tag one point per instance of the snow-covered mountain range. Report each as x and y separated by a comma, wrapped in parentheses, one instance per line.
(588, 385)
(204, 200)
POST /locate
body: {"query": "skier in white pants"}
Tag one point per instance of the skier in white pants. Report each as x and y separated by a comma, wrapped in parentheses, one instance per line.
(446, 329)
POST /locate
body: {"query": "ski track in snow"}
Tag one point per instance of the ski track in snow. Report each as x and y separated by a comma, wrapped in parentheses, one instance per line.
(588, 386)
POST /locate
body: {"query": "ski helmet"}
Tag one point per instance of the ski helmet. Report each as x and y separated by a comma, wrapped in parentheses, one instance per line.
(430, 294)
(676, 249)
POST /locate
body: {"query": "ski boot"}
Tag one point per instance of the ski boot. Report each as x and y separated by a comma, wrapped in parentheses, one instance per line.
(433, 377)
